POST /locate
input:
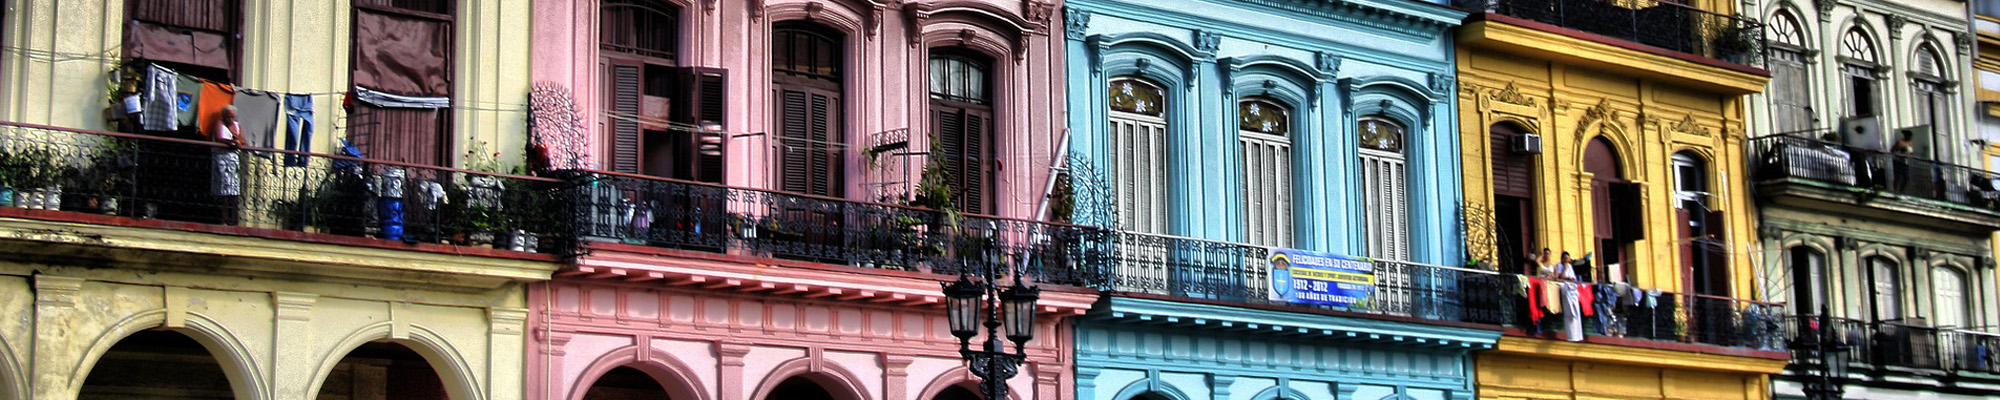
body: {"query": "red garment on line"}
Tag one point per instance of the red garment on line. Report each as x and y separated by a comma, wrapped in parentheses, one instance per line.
(1583, 297)
(1534, 300)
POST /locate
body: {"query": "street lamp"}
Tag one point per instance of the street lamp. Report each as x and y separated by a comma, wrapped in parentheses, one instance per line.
(970, 300)
(1825, 358)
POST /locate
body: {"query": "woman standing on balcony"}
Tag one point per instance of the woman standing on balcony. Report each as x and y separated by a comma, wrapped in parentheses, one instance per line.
(226, 185)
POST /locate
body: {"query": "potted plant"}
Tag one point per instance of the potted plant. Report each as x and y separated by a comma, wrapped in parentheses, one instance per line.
(13, 174)
(96, 185)
(38, 180)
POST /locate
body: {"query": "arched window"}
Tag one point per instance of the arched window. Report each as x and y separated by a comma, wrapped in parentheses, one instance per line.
(1948, 284)
(1616, 209)
(962, 123)
(1264, 128)
(1384, 187)
(807, 64)
(649, 28)
(1791, 90)
(1513, 195)
(647, 93)
(1858, 64)
(1139, 149)
(1929, 104)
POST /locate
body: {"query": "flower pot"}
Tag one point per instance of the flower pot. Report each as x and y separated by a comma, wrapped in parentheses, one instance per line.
(6, 196)
(484, 239)
(520, 240)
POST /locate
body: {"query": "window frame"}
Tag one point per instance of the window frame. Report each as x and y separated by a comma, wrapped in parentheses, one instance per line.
(1381, 215)
(1272, 223)
(830, 45)
(447, 140)
(1127, 162)
(977, 102)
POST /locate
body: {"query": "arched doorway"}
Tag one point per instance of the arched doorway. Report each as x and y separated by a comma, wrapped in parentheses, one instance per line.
(1513, 197)
(957, 392)
(382, 370)
(1616, 212)
(626, 383)
(157, 364)
(799, 388)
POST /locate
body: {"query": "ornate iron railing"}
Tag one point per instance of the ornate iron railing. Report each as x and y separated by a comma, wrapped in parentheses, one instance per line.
(1800, 157)
(138, 176)
(660, 212)
(1881, 344)
(1658, 316)
(1664, 24)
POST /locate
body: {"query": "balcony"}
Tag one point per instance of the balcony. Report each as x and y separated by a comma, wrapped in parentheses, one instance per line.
(1661, 39)
(1894, 347)
(666, 213)
(1224, 272)
(117, 179)
(1798, 170)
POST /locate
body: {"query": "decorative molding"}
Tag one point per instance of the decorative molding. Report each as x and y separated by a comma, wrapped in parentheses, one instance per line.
(708, 6)
(294, 306)
(1986, 262)
(1848, 243)
(874, 22)
(1825, 10)
(1602, 112)
(1075, 22)
(1441, 85)
(57, 291)
(1327, 62)
(1895, 24)
(731, 354)
(1963, 41)
(756, 9)
(1512, 95)
(1207, 41)
(1688, 125)
(1770, 232)
(1038, 12)
(507, 321)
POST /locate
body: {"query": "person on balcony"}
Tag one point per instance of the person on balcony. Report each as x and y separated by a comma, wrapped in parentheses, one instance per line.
(1904, 146)
(226, 181)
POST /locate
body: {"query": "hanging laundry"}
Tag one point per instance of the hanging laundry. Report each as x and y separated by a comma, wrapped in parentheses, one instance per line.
(1534, 296)
(162, 98)
(298, 127)
(214, 96)
(1572, 315)
(1584, 297)
(388, 100)
(187, 95)
(1552, 297)
(257, 111)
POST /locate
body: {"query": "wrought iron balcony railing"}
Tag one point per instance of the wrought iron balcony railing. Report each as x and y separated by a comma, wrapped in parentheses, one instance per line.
(138, 176)
(1665, 24)
(1882, 344)
(704, 217)
(1799, 157)
(1656, 316)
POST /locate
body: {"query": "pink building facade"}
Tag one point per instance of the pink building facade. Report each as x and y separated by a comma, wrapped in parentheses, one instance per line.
(749, 227)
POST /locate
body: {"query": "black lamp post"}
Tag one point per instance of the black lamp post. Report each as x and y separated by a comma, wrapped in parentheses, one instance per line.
(1825, 358)
(971, 299)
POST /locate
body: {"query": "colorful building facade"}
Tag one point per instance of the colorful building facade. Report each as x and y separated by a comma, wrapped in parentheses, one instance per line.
(754, 231)
(1613, 133)
(170, 262)
(1217, 139)
(1875, 227)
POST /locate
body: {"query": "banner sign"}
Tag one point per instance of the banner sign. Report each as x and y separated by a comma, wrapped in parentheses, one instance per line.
(1299, 276)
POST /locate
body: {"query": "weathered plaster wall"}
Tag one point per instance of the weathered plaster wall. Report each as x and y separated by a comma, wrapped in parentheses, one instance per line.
(1518, 377)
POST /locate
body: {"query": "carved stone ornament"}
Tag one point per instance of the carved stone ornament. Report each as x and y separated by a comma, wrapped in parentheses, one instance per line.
(1600, 112)
(1963, 41)
(1895, 24)
(1688, 125)
(1207, 41)
(1327, 62)
(1038, 12)
(1770, 232)
(1512, 95)
(1825, 10)
(1441, 84)
(1075, 22)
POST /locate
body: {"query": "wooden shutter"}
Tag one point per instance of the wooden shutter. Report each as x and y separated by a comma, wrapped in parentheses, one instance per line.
(807, 124)
(701, 101)
(1713, 248)
(1689, 249)
(1628, 215)
(961, 133)
(625, 80)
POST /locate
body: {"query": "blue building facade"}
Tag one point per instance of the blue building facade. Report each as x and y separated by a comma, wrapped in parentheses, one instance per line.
(1225, 130)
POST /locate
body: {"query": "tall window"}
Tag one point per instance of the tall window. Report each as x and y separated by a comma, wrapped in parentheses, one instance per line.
(1704, 253)
(1616, 208)
(1808, 268)
(1264, 127)
(1384, 186)
(403, 48)
(961, 121)
(1513, 195)
(806, 81)
(1929, 105)
(1887, 289)
(1139, 146)
(197, 37)
(1858, 64)
(1948, 284)
(1791, 90)
(656, 107)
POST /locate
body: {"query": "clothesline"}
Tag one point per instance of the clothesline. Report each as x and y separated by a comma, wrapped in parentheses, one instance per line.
(57, 56)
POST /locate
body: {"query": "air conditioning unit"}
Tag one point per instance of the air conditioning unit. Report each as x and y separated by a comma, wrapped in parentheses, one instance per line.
(1527, 143)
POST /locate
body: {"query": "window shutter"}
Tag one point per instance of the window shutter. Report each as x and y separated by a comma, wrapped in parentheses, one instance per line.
(702, 96)
(1628, 214)
(823, 121)
(972, 165)
(794, 116)
(625, 102)
(1714, 247)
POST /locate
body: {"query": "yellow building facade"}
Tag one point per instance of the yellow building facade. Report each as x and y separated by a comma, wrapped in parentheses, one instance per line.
(1550, 107)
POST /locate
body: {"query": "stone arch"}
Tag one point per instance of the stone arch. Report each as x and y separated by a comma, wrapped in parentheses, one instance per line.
(837, 380)
(1272, 76)
(11, 377)
(1875, 39)
(1148, 54)
(956, 376)
(1797, 16)
(1280, 392)
(1401, 100)
(450, 365)
(1822, 244)
(853, 20)
(245, 377)
(1621, 146)
(679, 380)
(1892, 253)
(1942, 59)
(1153, 385)
(980, 13)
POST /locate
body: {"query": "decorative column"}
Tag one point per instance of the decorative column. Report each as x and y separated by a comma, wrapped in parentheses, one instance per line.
(57, 350)
(294, 325)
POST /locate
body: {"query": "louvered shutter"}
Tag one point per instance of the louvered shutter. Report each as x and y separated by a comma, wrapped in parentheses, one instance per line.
(625, 104)
(972, 162)
(823, 122)
(794, 129)
(702, 101)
